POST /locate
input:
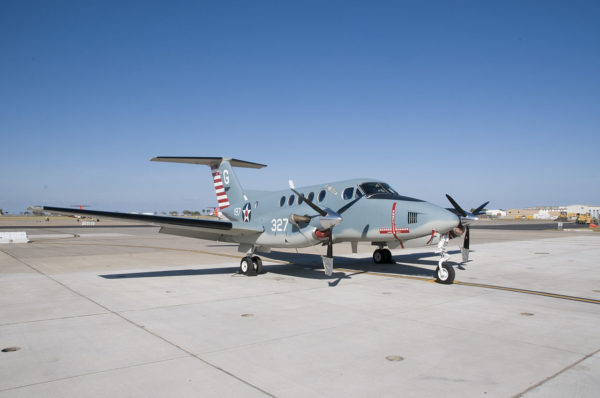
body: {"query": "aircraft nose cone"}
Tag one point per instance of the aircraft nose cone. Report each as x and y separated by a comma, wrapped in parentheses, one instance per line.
(446, 220)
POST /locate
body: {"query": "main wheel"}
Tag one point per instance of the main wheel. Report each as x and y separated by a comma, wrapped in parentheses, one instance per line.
(444, 274)
(378, 256)
(257, 263)
(247, 266)
(387, 256)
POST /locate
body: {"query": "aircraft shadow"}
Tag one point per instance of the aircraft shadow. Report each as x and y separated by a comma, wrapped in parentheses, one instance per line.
(414, 264)
(175, 272)
(303, 265)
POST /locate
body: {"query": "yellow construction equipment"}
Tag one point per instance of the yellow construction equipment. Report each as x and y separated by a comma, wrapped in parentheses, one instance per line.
(583, 219)
(562, 216)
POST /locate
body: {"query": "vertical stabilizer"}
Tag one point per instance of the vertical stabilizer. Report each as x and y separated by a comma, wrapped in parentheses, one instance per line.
(227, 186)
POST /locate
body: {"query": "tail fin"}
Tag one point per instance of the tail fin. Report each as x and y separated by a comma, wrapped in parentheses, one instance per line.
(222, 199)
(227, 185)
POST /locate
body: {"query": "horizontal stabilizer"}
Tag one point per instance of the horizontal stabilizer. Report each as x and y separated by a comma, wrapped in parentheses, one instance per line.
(208, 161)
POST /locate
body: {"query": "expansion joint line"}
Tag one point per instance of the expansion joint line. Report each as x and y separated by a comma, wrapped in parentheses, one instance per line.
(34, 268)
(547, 379)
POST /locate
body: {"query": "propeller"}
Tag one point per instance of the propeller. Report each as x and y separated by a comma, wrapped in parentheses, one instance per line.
(477, 211)
(459, 209)
(329, 219)
(465, 218)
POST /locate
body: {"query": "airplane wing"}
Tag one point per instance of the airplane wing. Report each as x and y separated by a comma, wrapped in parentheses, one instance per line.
(226, 231)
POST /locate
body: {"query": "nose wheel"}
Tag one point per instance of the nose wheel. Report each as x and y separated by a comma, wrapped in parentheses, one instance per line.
(251, 266)
(444, 274)
(382, 256)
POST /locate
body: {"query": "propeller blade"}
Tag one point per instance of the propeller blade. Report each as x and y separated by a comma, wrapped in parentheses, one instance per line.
(478, 210)
(328, 259)
(465, 246)
(456, 206)
(311, 204)
(329, 218)
(348, 205)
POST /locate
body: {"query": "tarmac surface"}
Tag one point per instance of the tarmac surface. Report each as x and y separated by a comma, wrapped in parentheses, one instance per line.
(120, 310)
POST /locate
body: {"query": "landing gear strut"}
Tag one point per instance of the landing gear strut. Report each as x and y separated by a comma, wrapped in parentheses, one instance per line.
(444, 272)
(382, 256)
(251, 266)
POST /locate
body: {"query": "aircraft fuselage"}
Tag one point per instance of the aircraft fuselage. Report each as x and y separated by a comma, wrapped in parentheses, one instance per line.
(379, 217)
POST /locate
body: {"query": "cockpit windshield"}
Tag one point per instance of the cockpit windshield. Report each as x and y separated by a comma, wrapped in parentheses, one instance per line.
(371, 188)
(381, 190)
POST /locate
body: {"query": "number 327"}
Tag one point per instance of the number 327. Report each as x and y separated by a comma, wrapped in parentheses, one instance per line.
(279, 224)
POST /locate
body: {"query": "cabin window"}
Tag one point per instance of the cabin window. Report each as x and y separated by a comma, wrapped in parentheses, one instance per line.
(311, 196)
(322, 195)
(358, 193)
(282, 201)
(348, 192)
(291, 200)
(300, 200)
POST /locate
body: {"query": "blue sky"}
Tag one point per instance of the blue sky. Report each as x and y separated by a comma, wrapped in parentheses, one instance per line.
(485, 100)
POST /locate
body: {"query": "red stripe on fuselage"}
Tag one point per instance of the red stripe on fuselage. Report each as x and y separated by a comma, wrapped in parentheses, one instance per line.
(394, 225)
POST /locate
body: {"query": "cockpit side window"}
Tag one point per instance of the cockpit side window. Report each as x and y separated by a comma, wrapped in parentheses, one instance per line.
(388, 188)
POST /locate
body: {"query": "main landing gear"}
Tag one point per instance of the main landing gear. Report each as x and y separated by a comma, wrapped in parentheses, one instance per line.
(251, 266)
(382, 256)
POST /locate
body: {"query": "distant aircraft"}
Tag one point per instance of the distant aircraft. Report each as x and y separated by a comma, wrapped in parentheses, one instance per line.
(356, 210)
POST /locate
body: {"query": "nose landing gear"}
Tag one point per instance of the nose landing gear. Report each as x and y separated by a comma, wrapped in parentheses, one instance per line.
(444, 273)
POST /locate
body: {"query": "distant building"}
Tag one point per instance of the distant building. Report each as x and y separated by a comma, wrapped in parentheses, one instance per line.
(495, 213)
(594, 211)
(515, 213)
(553, 212)
(536, 213)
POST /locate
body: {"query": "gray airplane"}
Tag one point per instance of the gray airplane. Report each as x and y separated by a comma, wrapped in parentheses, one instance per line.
(353, 211)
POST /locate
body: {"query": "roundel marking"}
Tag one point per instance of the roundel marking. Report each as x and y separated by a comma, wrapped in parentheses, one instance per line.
(247, 212)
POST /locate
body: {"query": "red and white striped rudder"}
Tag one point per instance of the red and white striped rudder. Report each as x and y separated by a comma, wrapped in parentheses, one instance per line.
(222, 199)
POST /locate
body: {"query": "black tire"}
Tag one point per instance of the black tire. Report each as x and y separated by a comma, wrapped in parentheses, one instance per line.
(387, 254)
(258, 266)
(378, 256)
(445, 274)
(247, 266)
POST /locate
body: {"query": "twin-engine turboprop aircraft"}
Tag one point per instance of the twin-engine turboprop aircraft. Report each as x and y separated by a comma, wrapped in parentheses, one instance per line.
(352, 211)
